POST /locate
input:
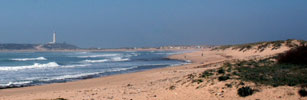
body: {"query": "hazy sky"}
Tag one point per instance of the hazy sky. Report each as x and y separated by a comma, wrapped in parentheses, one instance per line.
(129, 23)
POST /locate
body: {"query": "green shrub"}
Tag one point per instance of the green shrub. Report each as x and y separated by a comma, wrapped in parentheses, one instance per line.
(197, 81)
(235, 73)
(228, 85)
(229, 70)
(60, 99)
(191, 76)
(207, 73)
(297, 55)
(221, 71)
(242, 83)
(227, 64)
(172, 87)
(274, 75)
(223, 78)
(302, 92)
(267, 72)
(245, 91)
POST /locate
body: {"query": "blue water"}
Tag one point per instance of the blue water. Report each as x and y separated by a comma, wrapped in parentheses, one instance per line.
(35, 68)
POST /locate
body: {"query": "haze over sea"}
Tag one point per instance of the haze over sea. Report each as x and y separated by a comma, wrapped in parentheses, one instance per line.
(18, 69)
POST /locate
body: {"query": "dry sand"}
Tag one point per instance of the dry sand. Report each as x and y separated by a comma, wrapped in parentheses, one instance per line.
(169, 83)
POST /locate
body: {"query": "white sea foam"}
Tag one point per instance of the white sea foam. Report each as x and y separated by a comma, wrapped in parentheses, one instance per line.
(86, 74)
(121, 69)
(119, 59)
(134, 54)
(70, 76)
(96, 61)
(130, 55)
(35, 65)
(79, 65)
(16, 83)
(66, 76)
(99, 55)
(115, 59)
(29, 59)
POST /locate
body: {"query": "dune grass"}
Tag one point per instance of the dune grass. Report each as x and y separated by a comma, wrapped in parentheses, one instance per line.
(274, 75)
(261, 46)
(288, 68)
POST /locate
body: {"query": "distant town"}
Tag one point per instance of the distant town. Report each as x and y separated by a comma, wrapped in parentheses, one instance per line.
(54, 45)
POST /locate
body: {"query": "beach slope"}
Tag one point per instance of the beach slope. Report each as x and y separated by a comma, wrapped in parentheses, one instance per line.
(170, 83)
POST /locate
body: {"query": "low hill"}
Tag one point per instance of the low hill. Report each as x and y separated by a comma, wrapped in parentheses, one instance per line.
(60, 46)
(12, 46)
(57, 46)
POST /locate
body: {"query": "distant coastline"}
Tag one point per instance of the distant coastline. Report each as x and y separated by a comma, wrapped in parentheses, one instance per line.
(63, 47)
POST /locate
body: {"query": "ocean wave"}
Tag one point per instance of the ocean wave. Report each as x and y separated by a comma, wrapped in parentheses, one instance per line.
(114, 59)
(122, 69)
(119, 59)
(134, 54)
(100, 55)
(38, 80)
(29, 59)
(79, 65)
(131, 54)
(35, 65)
(86, 75)
(70, 76)
(96, 61)
(17, 84)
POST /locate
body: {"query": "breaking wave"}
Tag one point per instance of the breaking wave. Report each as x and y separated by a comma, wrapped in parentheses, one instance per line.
(65, 67)
(15, 84)
(38, 65)
(35, 65)
(96, 61)
(119, 59)
(79, 65)
(115, 59)
(64, 77)
(97, 56)
(28, 59)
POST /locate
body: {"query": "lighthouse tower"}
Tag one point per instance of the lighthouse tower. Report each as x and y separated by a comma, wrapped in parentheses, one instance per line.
(54, 38)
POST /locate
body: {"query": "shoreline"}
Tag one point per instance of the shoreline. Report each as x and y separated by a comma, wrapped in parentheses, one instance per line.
(21, 90)
(184, 62)
(168, 83)
(78, 84)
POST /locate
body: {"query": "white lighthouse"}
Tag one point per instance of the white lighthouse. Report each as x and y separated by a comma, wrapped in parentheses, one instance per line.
(54, 38)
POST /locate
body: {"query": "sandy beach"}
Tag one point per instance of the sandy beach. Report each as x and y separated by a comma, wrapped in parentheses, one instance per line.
(170, 83)
(153, 50)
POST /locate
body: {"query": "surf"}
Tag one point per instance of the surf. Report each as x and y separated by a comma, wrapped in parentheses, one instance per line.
(28, 59)
(34, 66)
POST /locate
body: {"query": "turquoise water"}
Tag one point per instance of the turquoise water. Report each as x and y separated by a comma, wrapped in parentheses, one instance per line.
(35, 68)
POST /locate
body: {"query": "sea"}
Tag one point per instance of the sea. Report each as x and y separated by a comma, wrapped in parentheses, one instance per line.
(21, 69)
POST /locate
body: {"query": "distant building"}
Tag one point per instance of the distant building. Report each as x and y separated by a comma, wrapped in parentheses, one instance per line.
(54, 38)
